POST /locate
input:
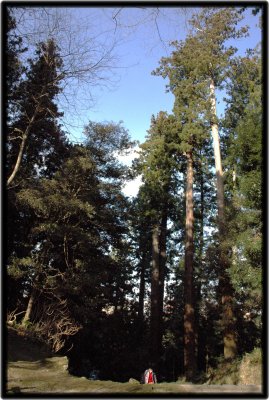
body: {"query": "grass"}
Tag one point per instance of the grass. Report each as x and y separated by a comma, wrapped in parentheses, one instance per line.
(32, 369)
(250, 369)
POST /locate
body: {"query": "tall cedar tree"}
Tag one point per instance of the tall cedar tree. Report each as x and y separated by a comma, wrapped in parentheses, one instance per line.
(156, 166)
(204, 210)
(140, 232)
(214, 28)
(189, 110)
(208, 60)
(190, 138)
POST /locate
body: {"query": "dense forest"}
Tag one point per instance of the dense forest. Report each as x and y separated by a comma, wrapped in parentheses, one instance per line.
(170, 278)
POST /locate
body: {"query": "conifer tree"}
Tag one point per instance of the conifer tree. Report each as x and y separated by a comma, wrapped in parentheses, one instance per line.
(156, 165)
(243, 146)
(14, 75)
(76, 239)
(15, 69)
(140, 224)
(214, 28)
(35, 143)
(191, 136)
(208, 60)
(35, 138)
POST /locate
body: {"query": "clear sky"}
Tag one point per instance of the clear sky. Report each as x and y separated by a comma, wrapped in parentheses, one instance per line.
(138, 94)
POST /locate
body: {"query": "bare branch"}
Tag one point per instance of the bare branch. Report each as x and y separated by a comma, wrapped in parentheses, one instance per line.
(12, 317)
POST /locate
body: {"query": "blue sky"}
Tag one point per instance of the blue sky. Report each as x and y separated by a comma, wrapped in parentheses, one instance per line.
(138, 94)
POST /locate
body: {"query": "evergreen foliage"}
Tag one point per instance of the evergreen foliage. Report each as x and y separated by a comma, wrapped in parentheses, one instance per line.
(243, 126)
(36, 118)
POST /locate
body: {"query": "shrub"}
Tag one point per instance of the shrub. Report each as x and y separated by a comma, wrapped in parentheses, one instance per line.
(250, 372)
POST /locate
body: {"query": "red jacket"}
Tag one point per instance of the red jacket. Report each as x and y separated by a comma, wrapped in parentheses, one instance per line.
(149, 377)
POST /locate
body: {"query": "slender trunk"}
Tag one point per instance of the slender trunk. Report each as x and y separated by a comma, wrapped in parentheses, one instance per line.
(199, 331)
(234, 248)
(162, 264)
(218, 164)
(225, 287)
(19, 158)
(159, 234)
(189, 318)
(141, 289)
(25, 135)
(234, 178)
(155, 276)
(27, 316)
(201, 248)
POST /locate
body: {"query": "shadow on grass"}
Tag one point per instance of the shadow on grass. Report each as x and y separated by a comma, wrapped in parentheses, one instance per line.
(16, 390)
(23, 348)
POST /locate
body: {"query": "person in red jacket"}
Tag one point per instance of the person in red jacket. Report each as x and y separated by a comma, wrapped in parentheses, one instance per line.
(150, 376)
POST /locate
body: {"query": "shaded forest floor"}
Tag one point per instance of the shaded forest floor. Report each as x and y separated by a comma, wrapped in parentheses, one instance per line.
(33, 369)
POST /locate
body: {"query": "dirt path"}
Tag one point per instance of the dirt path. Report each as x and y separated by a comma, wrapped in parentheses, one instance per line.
(51, 376)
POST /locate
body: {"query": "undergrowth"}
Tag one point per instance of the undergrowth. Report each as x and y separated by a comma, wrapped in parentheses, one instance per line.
(246, 370)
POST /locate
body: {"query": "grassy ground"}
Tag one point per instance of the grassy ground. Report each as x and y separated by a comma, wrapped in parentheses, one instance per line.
(32, 369)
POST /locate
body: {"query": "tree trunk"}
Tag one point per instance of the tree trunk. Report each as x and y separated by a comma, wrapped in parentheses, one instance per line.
(199, 331)
(18, 161)
(141, 289)
(157, 286)
(162, 264)
(29, 309)
(155, 277)
(189, 318)
(225, 287)
(217, 154)
(25, 135)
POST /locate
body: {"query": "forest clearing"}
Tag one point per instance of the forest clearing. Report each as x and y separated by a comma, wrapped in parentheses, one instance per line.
(170, 278)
